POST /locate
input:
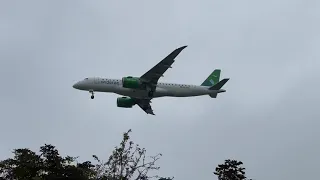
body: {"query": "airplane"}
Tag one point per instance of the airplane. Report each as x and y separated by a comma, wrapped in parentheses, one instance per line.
(141, 90)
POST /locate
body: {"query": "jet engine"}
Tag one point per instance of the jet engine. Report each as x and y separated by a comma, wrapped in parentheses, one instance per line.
(125, 102)
(132, 82)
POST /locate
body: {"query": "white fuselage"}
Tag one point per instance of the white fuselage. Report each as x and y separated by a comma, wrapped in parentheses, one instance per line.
(163, 89)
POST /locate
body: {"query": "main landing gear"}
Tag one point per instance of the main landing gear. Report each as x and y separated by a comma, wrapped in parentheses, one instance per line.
(92, 94)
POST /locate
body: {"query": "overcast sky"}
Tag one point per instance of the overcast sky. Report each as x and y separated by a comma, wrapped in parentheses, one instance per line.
(268, 118)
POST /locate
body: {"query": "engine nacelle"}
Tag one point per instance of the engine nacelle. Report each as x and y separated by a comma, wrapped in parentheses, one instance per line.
(125, 102)
(131, 82)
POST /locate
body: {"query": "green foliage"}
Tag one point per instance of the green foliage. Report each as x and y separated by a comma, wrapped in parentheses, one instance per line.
(127, 162)
(26, 164)
(230, 170)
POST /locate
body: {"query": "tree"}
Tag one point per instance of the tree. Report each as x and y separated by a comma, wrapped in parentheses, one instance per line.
(128, 162)
(26, 164)
(230, 170)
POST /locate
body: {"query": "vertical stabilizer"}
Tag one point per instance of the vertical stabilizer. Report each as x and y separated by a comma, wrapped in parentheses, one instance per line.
(212, 79)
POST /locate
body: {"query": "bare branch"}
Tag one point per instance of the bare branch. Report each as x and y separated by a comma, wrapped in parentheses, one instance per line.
(129, 162)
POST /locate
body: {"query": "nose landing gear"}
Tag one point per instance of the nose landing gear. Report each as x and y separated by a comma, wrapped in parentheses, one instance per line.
(92, 94)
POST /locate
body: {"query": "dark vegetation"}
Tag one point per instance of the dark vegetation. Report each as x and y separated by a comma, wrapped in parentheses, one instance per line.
(128, 161)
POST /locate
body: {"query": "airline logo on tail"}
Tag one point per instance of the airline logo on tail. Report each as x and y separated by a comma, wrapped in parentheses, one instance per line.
(212, 79)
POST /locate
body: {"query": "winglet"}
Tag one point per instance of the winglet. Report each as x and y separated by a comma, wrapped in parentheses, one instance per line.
(176, 52)
(182, 47)
(219, 85)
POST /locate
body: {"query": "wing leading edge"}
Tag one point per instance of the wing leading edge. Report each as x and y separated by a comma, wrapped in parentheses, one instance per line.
(154, 74)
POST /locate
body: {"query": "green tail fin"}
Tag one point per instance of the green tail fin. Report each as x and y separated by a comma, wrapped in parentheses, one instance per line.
(212, 79)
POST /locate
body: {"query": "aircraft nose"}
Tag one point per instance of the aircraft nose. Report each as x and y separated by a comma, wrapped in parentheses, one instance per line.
(76, 85)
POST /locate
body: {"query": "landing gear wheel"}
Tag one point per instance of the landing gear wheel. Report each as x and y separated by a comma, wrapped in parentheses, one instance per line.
(92, 95)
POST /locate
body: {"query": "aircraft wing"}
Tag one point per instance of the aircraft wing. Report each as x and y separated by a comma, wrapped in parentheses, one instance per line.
(144, 104)
(152, 76)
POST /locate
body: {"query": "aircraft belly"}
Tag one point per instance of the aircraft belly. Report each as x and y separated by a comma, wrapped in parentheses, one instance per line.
(132, 92)
(161, 92)
(189, 92)
(100, 88)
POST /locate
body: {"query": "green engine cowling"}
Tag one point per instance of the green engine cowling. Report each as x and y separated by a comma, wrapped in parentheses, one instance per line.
(125, 102)
(131, 82)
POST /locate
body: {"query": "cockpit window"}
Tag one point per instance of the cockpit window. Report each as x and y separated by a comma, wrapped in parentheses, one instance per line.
(86, 79)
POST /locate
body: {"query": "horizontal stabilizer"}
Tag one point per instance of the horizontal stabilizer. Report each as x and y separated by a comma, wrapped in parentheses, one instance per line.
(219, 85)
